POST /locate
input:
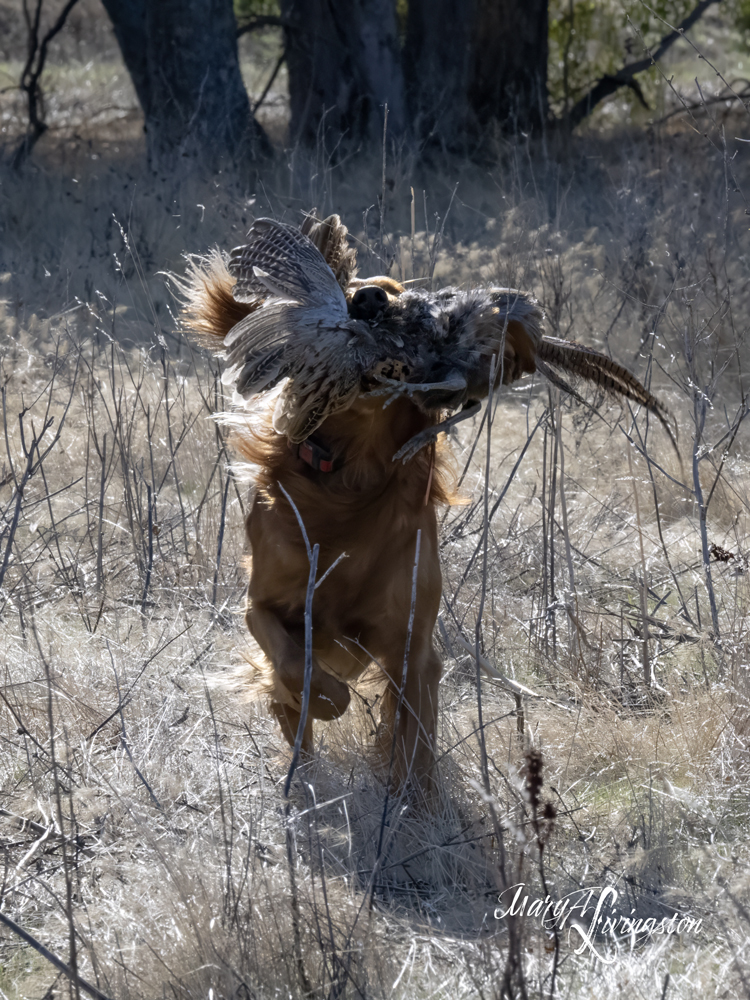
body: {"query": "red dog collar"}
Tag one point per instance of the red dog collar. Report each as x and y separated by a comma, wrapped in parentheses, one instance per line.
(318, 457)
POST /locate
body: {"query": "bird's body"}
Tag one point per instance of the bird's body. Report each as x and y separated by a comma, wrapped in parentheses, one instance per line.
(331, 337)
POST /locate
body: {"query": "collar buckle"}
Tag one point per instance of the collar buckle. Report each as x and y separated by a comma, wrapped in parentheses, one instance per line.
(317, 457)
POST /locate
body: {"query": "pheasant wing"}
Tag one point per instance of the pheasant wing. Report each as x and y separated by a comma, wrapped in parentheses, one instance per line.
(280, 261)
(300, 329)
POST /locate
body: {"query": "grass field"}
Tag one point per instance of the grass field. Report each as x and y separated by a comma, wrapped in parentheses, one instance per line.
(144, 828)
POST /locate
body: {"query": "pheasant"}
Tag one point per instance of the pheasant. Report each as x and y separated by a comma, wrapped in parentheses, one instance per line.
(303, 317)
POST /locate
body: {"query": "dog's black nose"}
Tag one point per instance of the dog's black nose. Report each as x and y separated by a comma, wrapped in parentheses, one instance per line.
(367, 302)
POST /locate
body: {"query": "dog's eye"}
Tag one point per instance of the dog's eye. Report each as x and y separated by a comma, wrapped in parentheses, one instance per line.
(367, 302)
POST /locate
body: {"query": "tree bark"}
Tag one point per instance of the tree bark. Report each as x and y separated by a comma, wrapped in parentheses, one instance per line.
(508, 70)
(344, 64)
(436, 60)
(182, 58)
(475, 64)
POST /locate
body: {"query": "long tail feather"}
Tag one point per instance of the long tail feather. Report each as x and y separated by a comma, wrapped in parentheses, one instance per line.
(593, 366)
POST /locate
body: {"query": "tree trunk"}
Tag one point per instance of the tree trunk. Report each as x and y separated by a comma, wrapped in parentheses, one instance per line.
(379, 52)
(475, 64)
(182, 58)
(436, 59)
(508, 70)
(344, 66)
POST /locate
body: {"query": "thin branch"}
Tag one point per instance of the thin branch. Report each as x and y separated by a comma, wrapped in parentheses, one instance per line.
(267, 88)
(124, 736)
(723, 98)
(32, 73)
(304, 708)
(625, 77)
(738, 421)
(57, 962)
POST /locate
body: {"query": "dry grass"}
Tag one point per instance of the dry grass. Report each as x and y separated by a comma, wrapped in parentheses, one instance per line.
(165, 840)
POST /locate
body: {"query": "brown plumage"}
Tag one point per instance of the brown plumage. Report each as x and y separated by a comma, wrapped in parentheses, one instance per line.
(352, 382)
(330, 239)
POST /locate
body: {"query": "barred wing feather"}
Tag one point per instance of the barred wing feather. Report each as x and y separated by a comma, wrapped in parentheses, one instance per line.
(300, 329)
(279, 260)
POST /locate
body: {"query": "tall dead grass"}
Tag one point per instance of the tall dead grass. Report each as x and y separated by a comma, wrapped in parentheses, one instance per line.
(143, 810)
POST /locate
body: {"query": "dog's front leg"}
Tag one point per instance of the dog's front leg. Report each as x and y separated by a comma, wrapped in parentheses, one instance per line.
(410, 706)
(284, 645)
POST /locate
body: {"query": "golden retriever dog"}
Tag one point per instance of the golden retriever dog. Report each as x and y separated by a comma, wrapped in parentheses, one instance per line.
(361, 387)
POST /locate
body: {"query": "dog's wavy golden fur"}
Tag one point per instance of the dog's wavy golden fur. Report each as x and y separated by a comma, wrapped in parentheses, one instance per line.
(372, 509)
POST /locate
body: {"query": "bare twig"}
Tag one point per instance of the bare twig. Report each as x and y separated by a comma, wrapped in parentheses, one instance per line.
(220, 540)
(647, 674)
(31, 75)
(68, 908)
(124, 736)
(520, 690)
(305, 706)
(625, 77)
(272, 77)
(399, 706)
